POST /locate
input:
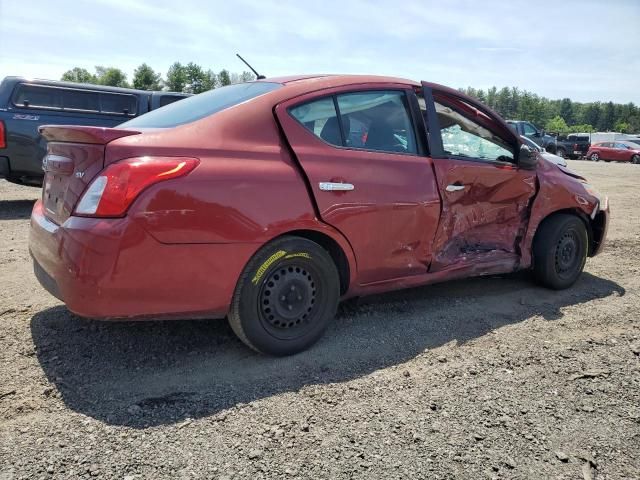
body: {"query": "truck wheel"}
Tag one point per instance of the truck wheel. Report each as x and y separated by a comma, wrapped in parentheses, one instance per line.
(286, 296)
(561, 153)
(595, 157)
(550, 149)
(635, 159)
(559, 251)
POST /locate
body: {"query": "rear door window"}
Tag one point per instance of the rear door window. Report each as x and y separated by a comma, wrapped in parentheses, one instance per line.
(370, 120)
(377, 121)
(320, 118)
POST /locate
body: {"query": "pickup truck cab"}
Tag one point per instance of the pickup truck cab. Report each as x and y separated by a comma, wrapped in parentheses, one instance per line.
(269, 201)
(27, 104)
(574, 145)
(529, 130)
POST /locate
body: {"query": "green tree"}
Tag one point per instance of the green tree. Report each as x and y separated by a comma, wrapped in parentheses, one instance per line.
(566, 110)
(145, 78)
(111, 76)
(176, 78)
(196, 78)
(210, 80)
(622, 127)
(79, 75)
(247, 77)
(224, 78)
(557, 125)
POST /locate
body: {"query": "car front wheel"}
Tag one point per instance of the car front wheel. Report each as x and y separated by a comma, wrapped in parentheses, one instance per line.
(286, 297)
(635, 159)
(560, 251)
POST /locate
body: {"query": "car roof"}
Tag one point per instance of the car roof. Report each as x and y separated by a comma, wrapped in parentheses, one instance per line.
(331, 80)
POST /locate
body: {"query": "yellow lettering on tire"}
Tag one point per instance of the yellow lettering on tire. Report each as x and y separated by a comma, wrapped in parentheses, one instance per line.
(299, 254)
(267, 263)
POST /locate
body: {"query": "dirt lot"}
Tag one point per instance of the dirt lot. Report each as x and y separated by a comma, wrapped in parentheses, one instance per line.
(483, 378)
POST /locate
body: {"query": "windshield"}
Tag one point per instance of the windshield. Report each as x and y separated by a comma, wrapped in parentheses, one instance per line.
(200, 106)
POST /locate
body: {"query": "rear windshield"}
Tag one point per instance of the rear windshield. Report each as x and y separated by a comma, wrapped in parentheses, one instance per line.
(200, 106)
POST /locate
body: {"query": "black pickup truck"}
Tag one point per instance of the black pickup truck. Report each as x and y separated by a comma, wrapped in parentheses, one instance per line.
(529, 130)
(574, 145)
(27, 104)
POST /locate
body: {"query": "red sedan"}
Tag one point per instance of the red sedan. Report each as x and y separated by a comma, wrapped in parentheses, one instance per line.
(619, 151)
(267, 202)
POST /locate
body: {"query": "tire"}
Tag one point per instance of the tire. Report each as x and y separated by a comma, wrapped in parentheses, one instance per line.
(594, 157)
(285, 297)
(635, 159)
(551, 149)
(560, 251)
(561, 153)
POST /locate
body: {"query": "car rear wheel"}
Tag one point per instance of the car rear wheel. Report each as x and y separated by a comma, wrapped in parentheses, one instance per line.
(286, 297)
(560, 251)
(635, 159)
(595, 157)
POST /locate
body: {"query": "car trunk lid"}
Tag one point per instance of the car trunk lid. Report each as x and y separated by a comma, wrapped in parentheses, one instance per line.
(75, 155)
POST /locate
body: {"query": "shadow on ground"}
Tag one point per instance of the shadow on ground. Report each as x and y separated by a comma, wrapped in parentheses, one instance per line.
(15, 209)
(142, 374)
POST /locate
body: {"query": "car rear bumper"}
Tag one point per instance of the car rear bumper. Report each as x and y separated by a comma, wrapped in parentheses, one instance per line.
(114, 269)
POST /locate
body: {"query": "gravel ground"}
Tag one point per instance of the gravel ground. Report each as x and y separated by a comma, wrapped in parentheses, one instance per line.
(482, 378)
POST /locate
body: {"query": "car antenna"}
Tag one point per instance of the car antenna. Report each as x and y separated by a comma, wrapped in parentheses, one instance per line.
(258, 76)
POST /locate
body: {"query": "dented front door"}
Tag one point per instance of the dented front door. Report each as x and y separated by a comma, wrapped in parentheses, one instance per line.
(485, 196)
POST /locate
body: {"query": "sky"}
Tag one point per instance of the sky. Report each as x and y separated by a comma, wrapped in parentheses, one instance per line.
(581, 49)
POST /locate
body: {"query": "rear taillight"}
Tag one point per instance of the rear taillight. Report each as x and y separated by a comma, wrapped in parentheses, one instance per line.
(575, 146)
(3, 138)
(111, 193)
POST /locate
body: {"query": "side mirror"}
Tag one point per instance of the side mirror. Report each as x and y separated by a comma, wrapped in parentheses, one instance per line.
(527, 158)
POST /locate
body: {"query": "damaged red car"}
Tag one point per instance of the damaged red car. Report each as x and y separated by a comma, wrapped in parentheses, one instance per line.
(268, 202)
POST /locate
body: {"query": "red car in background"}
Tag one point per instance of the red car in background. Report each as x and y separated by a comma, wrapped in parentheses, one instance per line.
(269, 201)
(620, 151)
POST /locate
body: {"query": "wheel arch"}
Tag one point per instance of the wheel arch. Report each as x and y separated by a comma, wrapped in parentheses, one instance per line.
(595, 227)
(335, 250)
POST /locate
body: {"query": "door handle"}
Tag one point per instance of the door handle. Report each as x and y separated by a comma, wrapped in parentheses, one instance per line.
(336, 187)
(454, 188)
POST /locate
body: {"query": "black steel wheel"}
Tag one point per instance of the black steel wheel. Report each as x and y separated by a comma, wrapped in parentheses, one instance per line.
(286, 296)
(560, 251)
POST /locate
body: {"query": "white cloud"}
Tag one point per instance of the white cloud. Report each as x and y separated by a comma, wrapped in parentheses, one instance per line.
(548, 47)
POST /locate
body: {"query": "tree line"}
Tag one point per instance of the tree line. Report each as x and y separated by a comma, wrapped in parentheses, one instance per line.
(188, 78)
(559, 116)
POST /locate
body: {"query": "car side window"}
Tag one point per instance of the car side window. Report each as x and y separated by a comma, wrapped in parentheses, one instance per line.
(320, 118)
(529, 129)
(37, 96)
(377, 120)
(464, 137)
(371, 120)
